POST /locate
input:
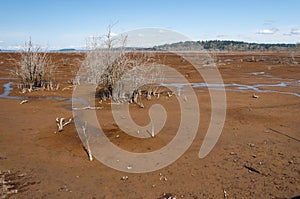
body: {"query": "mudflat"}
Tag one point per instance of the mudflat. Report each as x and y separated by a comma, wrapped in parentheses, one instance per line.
(256, 156)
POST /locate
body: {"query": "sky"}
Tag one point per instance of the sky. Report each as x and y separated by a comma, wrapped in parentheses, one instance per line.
(67, 23)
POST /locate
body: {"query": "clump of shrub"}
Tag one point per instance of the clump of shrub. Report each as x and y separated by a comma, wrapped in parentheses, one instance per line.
(34, 68)
(119, 74)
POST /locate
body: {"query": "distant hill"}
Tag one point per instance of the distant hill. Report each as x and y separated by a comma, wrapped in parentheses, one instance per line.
(225, 46)
(66, 50)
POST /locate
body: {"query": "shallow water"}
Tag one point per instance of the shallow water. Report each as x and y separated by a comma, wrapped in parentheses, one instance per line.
(237, 87)
(180, 88)
(8, 89)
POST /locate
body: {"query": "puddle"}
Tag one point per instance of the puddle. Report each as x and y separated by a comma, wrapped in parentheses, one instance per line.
(70, 108)
(83, 101)
(237, 87)
(179, 86)
(8, 89)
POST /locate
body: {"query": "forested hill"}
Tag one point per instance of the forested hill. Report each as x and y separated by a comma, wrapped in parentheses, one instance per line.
(226, 46)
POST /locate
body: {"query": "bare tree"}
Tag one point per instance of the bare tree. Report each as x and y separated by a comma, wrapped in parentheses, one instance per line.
(34, 67)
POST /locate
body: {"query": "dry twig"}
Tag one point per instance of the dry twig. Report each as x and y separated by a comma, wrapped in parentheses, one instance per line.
(60, 123)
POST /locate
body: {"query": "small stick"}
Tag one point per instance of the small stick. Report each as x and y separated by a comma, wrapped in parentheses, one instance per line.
(251, 169)
(60, 123)
(23, 101)
(275, 131)
(87, 142)
(68, 122)
(88, 108)
(152, 130)
(255, 96)
(225, 193)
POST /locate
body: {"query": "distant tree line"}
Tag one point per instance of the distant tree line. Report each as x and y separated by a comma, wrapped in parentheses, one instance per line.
(221, 45)
(217, 45)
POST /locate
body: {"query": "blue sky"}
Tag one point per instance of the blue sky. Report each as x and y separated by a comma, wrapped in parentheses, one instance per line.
(67, 23)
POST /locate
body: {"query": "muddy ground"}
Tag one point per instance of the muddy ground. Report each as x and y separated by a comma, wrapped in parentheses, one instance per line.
(257, 154)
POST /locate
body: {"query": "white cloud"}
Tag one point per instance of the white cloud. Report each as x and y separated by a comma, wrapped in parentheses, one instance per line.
(1, 41)
(267, 31)
(295, 31)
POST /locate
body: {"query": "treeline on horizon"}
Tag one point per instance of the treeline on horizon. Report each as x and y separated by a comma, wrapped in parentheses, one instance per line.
(216, 45)
(226, 45)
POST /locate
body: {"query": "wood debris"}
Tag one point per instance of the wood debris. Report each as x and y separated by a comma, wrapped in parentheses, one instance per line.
(24, 101)
(88, 108)
(60, 123)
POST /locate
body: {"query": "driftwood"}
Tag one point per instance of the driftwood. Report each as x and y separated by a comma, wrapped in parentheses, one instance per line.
(255, 96)
(88, 108)
(23, 101)
(60, 123)
(88, 149)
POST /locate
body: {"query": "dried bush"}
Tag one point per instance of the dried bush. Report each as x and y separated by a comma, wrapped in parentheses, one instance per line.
(34, 67)
(109, 66)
